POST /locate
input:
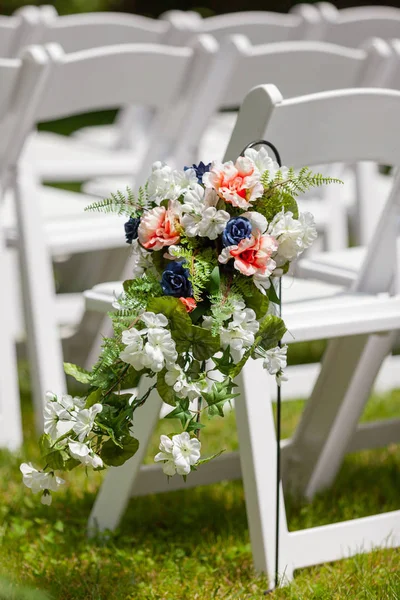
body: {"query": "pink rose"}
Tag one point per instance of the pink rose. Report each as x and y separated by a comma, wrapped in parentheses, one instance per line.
(252, 255)
(158, 227)
(238, 184)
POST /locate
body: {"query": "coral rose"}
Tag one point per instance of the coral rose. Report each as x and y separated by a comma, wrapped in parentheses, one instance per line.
(238, 184)
(158, 227)
(252, 255)
(189, 303)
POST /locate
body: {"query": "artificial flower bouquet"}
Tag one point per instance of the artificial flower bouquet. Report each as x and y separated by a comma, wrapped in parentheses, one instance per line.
(208, 244)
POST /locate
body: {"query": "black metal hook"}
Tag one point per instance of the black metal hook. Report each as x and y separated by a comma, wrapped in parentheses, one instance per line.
(264, 143)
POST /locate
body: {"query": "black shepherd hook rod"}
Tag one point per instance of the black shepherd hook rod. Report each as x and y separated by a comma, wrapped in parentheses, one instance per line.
(278, 396)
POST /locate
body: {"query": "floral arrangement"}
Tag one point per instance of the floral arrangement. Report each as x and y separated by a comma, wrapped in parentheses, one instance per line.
(209, 244)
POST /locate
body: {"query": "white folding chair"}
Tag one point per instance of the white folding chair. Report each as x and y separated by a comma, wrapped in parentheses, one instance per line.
(18, 30)
(82, 81)
(260, 27)
(22, 80)
(352, 26)
(297, 68)
(327, 127)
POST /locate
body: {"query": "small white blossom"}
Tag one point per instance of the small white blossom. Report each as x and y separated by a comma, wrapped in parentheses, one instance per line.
(262, 281)
(239, 333)
(213, 222)
(58, 415)
(159, 350)
(176, 378)
(152, 321)
(85, 421)
(165, 183)
(263, 162)
(186, 452)
(39, 480)
(288, 232)
(46, 498)
(257, 220)
(178, 454)
(133, 353)
(309, 234)
(85, 455)
(275, 361)
(141, 259)
(165, 455)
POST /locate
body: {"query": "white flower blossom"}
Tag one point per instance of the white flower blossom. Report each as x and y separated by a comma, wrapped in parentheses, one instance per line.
(58, 415)
(165, 183)
(262, 280)
(213, 222)
(275, 359)
(185, 451)
(84, 454)
(152, 321)
(39, 480)
(141, 259)
(309, 234)
(257, 220)
(85, 420)
(239, 333)
(263, 162)
(288, 232)
(159, 350)
(133, 353)
(176, 378)
(46, 498)
(200, 217)
(178, 454)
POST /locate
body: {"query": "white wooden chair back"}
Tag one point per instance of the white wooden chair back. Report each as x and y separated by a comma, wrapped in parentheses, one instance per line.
(352, 26)
(261, 27)
(92, 30)
(22, 80)
(298, 67)
(18, 30)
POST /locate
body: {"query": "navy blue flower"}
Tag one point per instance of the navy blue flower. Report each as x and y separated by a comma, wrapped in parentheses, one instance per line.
(175, 280)
(200, 169)
(131, 229)
(237, 229)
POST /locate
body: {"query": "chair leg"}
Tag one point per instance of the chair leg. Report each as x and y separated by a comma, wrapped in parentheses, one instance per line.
(258, 455)
(10, 409)
(113, 497)
(37, 285)
(316, 452)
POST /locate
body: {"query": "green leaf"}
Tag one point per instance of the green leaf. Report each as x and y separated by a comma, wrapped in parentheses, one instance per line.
(131, 379)
(220, 393)
(77, 373)
(93, 398)
(273, 296)
(70, 464)
(272, 329)
(45, 444)
(166, 392)
(181, 412)
(116, 456)
(193, 425)
(54, 460)
(214, 284)
(204, 461)
(224, 363)
(204, 343)
(259, 302)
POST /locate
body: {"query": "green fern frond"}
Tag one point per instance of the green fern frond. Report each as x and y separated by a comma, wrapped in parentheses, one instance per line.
(122, 203)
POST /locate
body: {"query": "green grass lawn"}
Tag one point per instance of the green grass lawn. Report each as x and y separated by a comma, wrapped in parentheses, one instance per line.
(191, 544)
